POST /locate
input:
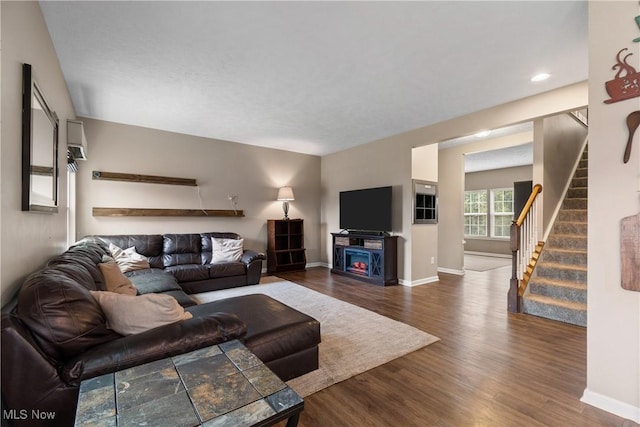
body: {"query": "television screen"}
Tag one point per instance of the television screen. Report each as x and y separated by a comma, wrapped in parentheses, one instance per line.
(366, 210)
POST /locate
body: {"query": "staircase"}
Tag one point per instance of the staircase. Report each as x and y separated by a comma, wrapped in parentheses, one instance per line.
(558, 288)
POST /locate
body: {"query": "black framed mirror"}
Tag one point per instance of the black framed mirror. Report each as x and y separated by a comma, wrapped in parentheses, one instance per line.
(39, 148)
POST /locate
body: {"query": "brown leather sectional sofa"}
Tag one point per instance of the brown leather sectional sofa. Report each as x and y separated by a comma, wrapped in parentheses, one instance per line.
(188, 258)
(55, 334)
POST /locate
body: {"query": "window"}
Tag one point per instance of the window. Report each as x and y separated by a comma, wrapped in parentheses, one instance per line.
(475, 213)
(488, 213)
(501, 212)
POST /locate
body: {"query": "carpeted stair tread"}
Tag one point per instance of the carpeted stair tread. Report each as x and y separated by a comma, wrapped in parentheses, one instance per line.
(558, 265)
(566, 272)
(571, 227)
(581, 172)
(580, 182)
(567, 241)
(577, 193)
(559, 289)
(571, 305)
(576, 215)
(575, 203)
(564, 311)
(564, 251)
(556, 282)
(566, 256)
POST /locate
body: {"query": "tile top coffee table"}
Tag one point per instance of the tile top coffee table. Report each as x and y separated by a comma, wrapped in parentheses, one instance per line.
(218, 386)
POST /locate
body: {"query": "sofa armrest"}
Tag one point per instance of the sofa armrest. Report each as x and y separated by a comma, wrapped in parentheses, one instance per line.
(253, 262)
(30, 380)
(249, 256)
(155, 344)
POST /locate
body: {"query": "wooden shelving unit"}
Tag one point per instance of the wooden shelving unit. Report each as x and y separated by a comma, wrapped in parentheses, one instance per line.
(285, 245)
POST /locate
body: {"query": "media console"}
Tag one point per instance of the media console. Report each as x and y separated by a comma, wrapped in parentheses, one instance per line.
(370, 258)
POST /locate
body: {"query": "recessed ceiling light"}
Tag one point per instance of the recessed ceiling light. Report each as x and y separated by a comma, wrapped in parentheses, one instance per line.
(540, 77)
(483, 134)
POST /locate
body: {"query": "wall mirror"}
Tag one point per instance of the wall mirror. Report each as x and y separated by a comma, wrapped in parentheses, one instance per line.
(39, 148)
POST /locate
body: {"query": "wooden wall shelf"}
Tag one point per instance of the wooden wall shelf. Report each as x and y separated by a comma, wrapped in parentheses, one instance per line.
(166, 212)
(149, 179)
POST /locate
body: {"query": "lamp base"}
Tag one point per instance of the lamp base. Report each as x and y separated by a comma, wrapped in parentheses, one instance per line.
(285, 208)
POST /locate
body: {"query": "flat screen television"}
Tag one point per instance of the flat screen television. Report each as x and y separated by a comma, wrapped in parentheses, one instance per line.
(366, 210)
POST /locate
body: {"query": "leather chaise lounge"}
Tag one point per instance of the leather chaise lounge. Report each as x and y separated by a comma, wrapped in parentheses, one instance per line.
(55, 335)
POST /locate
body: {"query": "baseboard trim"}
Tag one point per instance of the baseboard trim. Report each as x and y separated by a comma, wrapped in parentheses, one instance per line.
(419, 282)
(318, 264)
(611, 405)
(487, 254)
(309, 265)
(450, 271)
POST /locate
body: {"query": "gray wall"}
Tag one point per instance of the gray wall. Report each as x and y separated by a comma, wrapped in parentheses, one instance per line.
(497, 178)
(220, 168)
(27, 239)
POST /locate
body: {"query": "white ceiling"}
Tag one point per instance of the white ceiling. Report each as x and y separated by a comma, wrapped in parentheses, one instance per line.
(310, 77)
(519, 155)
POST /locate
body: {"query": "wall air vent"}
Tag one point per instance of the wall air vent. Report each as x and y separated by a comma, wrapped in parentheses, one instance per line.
(76, 141)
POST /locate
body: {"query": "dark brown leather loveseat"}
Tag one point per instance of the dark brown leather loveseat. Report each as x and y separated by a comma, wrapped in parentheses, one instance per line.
(55, 334)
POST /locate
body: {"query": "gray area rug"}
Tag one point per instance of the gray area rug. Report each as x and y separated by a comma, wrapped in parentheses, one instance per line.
(354, 339)
(484, 263)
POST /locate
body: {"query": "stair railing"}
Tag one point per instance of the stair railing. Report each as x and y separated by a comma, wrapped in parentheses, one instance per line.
(524, 239)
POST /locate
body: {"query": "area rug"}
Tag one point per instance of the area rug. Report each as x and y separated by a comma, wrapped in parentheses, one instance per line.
(354, 339)
(484, 263)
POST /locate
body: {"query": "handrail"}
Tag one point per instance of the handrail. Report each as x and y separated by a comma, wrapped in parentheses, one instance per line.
(524, 240)
(537, 189)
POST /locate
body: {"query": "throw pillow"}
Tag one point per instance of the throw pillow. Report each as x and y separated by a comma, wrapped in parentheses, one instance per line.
(115, 281)
(129, 315)
(226, 250)
(128, 259)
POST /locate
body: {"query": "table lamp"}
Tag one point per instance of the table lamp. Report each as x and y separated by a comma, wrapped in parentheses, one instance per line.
(285, 194)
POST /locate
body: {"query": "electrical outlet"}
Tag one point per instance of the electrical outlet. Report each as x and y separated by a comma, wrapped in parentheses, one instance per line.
(433, 260)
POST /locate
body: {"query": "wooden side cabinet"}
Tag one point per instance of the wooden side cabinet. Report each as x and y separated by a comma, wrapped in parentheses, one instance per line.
(285, 245)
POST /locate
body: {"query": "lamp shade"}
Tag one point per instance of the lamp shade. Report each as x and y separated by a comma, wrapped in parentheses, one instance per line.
(285, 193)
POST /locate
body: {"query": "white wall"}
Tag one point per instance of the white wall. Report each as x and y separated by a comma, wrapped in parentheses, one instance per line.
(613, 321)
(27, 239)
(424, 237)
(219, 167)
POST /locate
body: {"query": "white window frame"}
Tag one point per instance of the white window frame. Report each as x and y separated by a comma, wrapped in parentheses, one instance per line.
(478, 214)
(493, 214)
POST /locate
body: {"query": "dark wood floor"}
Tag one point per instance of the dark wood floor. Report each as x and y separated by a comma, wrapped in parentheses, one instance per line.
(490, 368)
